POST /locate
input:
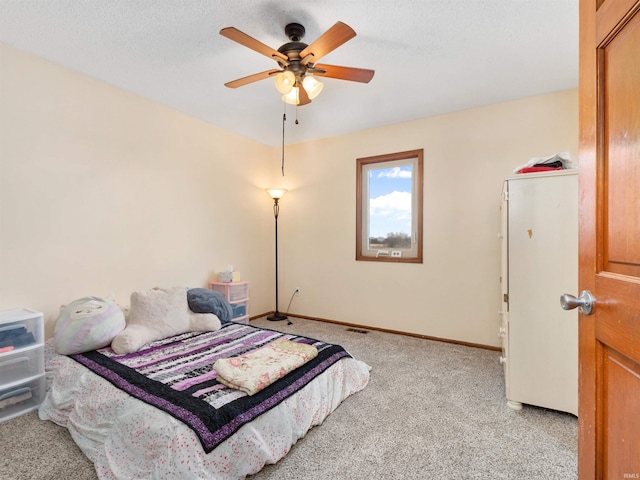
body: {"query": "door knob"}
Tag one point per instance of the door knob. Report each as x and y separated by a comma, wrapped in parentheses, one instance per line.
(584, 302)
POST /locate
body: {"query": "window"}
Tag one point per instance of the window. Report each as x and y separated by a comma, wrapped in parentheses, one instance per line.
(389, 207)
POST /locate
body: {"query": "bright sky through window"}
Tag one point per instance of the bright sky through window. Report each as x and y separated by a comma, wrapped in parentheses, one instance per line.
(390, 201)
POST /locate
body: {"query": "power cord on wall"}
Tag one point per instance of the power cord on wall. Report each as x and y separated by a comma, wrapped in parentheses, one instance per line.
(289, 306)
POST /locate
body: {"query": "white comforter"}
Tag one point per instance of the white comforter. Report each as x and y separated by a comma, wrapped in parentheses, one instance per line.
(128, 439)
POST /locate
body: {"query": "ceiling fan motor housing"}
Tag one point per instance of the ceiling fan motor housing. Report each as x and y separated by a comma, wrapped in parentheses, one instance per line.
(292, 49)
(294, 32)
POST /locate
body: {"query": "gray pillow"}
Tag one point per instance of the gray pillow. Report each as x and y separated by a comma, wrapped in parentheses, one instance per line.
(203, 300)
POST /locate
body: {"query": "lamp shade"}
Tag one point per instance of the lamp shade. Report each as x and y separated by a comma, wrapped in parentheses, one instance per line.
(292, 97)
(284, 81)
(276, 193)
(312, 86)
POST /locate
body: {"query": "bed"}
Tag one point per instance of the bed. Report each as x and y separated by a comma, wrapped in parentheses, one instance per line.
(161, 413)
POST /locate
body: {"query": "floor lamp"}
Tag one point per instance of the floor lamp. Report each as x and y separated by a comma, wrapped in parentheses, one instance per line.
(276, 194)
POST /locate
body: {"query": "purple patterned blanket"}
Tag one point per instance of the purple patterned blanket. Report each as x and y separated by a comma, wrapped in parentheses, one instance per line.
(176, 375)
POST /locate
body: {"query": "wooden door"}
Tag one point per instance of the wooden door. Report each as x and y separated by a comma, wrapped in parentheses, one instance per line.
(609, 239)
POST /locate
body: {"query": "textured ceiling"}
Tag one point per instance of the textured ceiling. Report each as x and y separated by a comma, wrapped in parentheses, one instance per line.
(430, 56)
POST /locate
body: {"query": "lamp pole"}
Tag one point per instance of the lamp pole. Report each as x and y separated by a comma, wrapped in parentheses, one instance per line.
(276, 194)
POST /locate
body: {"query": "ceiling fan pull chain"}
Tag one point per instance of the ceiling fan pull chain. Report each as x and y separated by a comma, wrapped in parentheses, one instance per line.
(284, 119)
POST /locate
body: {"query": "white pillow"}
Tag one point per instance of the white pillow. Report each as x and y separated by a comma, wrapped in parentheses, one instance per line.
(160, 313)
(87, 324)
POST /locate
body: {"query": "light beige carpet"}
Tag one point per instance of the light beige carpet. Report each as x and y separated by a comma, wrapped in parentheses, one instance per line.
(432, 410)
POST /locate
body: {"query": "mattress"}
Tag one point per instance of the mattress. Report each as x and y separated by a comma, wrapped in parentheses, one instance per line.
(127, 438)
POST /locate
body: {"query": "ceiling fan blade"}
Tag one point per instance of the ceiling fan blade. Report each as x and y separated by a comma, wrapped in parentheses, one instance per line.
(327, 42)
(363, 75)
(303, 96)
(236, 35)
(250, 79)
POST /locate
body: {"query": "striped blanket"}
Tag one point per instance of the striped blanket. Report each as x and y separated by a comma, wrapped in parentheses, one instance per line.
(176, 375)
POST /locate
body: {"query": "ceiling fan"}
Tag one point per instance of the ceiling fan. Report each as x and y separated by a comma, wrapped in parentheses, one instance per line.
(298, 68)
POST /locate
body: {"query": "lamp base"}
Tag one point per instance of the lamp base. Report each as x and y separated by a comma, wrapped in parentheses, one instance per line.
(276, 317)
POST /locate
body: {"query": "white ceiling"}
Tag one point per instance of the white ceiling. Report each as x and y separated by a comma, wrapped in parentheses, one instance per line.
(430, 56)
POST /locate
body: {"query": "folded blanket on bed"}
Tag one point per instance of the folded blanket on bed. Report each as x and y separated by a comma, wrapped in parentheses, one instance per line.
(258, 369)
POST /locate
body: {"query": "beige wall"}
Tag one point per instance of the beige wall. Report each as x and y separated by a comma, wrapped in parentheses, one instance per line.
(105, 192)
(102, 191)
(455, 293)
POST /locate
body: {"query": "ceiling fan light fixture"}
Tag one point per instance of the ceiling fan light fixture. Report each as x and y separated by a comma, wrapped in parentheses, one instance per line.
(297, 61)
(312, 86)
(292, 97)
(285, 81)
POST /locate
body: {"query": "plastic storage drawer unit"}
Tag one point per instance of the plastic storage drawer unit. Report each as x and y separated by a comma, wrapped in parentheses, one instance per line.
(232, 291)
(237, 294)
(16, 366)
(19, 398)
(239, 309)
(22, 376)
(20, 328)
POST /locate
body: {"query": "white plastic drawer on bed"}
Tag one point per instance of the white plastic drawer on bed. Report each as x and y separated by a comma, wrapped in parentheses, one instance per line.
(24, 363)
(21, 397)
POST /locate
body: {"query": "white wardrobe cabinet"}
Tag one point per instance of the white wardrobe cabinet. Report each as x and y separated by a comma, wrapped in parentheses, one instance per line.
(539, 263)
